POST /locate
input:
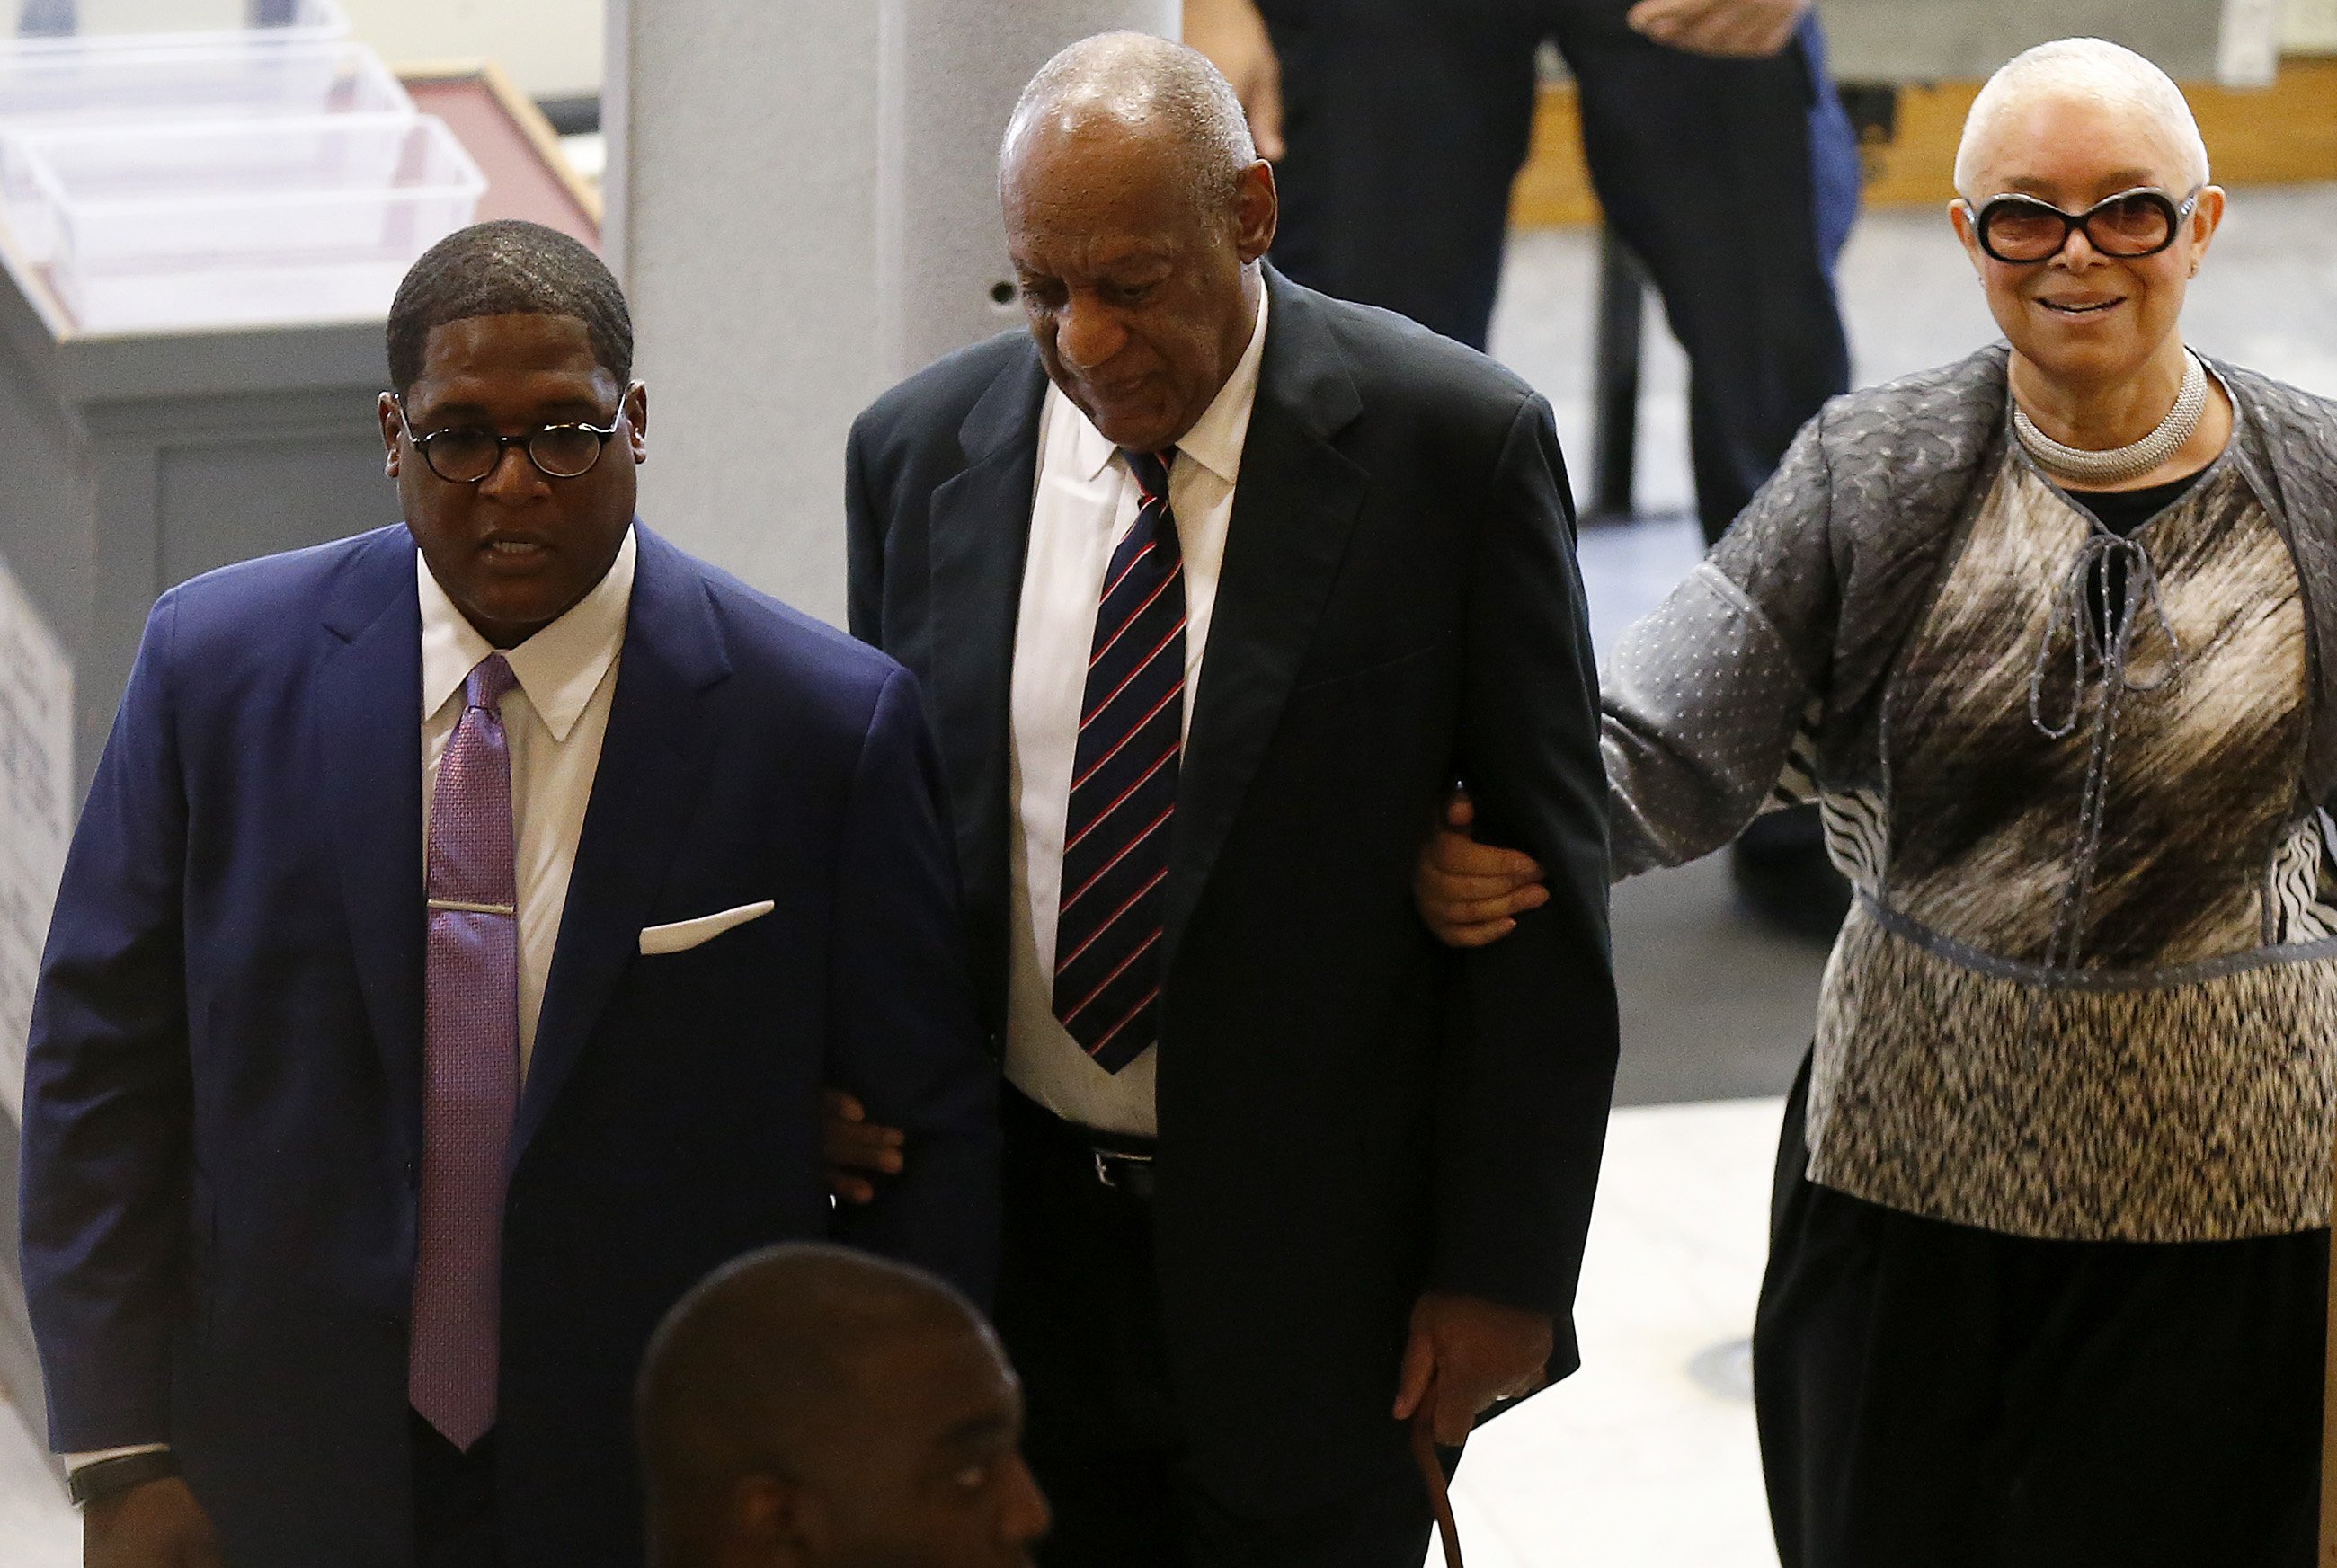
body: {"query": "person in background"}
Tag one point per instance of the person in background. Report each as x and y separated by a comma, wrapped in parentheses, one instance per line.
(1216, 583)
(1720, 154)
(2049, 631)
(807, 1406)
(464, 920)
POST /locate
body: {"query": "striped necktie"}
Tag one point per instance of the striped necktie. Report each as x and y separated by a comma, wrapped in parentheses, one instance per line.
(1124, 789)
(470, 1063)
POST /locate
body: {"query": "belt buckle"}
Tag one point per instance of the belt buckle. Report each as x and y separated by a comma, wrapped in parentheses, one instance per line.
(1129, 1173)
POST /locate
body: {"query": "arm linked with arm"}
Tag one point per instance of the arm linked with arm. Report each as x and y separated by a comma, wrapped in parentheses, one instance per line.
(1707, 693)
(903, 1036)
(1529, 1055)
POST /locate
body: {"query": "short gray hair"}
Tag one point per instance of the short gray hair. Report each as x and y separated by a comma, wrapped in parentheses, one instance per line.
(1137, 79)
(2083, 67)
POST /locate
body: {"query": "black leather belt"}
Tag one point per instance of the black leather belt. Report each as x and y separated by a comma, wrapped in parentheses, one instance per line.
(1119, 1161)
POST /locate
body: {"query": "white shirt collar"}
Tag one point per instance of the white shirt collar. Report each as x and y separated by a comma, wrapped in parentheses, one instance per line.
(559, 668)
(1217, 438)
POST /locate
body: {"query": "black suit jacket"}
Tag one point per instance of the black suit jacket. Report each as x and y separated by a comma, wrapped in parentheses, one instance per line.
(1349, 1113)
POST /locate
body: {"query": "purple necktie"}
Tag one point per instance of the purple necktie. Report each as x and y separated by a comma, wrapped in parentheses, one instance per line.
(470, 1069)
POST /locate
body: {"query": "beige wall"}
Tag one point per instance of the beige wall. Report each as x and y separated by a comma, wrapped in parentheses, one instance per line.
(553, 48)
(2310, 24)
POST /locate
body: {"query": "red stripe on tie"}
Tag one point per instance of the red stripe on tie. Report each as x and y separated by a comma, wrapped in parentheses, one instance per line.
(1112, 919)
(1113, 586)
(1175, 692)
(1105, 814)
(1064, 907)
(1110, 642)
(1134, 1013)
(1144, 664)
(1088, 999)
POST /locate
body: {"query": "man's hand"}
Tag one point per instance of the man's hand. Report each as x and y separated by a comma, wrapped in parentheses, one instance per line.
(1471, 894)
(855, 1148)
(1233, 36)
(1471, 1353)
(158, 1525)
(1732, 29)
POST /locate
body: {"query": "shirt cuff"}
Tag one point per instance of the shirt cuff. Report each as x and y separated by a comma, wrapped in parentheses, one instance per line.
(75, 1461)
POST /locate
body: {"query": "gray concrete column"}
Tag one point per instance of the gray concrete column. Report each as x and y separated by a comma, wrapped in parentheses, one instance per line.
(802, 209)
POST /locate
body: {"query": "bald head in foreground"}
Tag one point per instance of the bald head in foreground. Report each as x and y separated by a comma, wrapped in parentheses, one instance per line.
(1240, 575)
(809, 1407)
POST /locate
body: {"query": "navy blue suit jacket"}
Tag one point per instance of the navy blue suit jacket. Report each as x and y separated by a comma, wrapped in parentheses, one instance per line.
(222, 1118)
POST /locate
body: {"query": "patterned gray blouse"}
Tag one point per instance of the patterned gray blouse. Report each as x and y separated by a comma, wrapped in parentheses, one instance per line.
(2088, 989)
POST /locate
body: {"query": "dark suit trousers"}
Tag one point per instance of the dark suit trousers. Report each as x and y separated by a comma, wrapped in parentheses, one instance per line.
(1079, 1311)
(1734, 181)
(454, 1501)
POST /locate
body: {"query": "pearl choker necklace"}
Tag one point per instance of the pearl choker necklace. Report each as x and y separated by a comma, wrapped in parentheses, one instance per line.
(2124, 463)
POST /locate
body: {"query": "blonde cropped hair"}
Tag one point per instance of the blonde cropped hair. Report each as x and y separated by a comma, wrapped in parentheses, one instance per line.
(2084, 67)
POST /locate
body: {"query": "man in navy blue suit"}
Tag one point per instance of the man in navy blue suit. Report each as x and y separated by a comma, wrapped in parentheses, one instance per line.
(464, 923)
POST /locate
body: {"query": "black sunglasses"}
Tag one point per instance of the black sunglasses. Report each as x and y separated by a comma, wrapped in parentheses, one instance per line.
(2023, 230)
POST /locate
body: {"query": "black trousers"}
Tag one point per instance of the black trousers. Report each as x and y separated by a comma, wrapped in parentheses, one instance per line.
(1079, 1312)
(453, 1500)
(1734, 181)
(1935, 1396)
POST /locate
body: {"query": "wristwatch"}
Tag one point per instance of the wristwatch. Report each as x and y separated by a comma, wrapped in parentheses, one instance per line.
(111, 1477)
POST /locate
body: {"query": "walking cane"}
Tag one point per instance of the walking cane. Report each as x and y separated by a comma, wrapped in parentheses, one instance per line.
(1432, 1471)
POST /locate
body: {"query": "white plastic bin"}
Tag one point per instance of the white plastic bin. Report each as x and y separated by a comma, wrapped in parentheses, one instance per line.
(246, 223)
(111, 23)
(62, 90)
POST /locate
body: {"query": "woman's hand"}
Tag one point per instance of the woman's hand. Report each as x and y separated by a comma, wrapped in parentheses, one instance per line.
(1471, 894)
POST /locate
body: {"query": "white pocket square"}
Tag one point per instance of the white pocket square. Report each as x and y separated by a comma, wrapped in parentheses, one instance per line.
(683, 935)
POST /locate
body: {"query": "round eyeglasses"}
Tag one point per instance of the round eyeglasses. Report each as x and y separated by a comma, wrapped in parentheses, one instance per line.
(467, 454)
(2023, 230)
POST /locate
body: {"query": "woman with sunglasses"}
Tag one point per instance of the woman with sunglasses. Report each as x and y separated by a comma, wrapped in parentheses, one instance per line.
(2051, 634)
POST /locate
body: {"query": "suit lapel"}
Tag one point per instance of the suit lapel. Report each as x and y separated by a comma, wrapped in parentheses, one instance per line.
(654, 763)
(980, 533)
(367, 731)
(1294, 509)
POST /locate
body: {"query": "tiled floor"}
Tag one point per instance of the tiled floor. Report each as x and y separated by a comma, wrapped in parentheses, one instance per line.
(1646, 1458)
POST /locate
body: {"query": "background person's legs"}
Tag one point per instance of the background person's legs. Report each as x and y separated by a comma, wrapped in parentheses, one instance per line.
(1406, 124)
(1734, 182)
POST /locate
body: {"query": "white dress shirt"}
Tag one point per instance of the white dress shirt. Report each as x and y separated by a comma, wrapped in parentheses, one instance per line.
(553, 723)
(1085, 504)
